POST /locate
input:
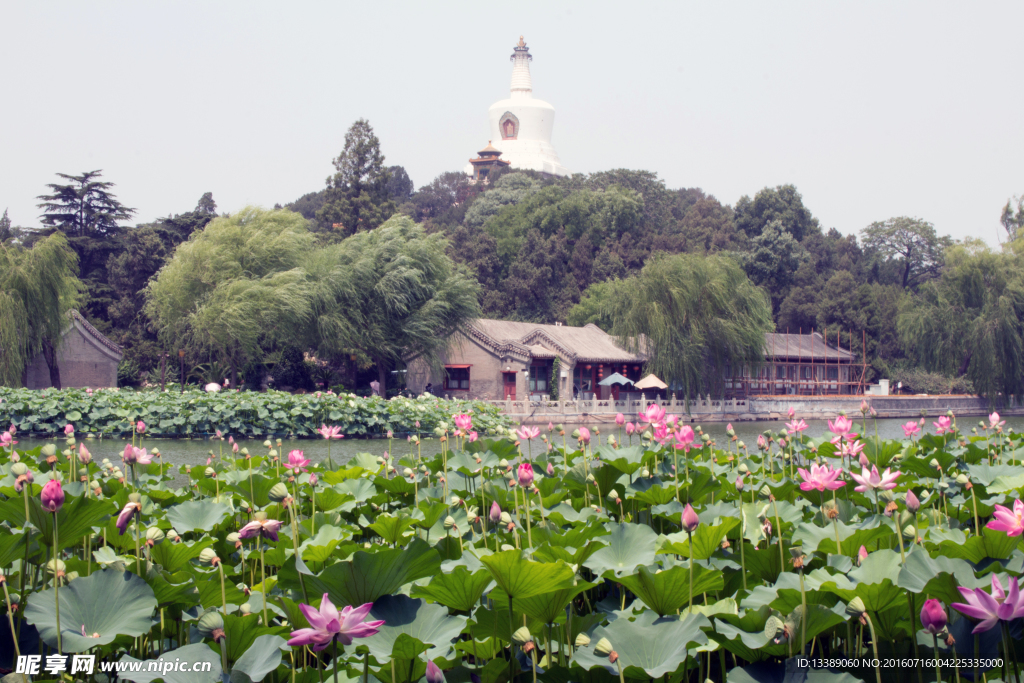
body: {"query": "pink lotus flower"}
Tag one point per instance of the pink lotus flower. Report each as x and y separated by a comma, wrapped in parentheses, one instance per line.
(841, 427)
(7, 439)
(527, 433)
(330, 432)
(994, 422)
(140, 427)
(884, 482)
(130, 510)
(795, 427)
(620, 419)
(525, 475)
(434, 674)
(739, 483)
(820, 478)
(234, 447)
(473, 436)
(266, 528)
(464, 422)
(297, 461)
(863, 460)
(862, 555)
(84, 456)
(1010, 522)
(550, 470)
(761, 443)
(584, 435)
(911, 429)
(141, 456)
(495, 514)
(69, 429)
(913, 504)
(933, 616)
(328, 625)
(313, 479)
(551, 426)
(630, 428)
(661, 434)
(791, 412)
(944, 425)
(689, 519)
(990, 609)
(52, 496)
(653, 414)
(684, 438)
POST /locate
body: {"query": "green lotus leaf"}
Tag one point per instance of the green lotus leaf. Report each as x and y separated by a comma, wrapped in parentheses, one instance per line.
(459, 590)
(192, 654)
(874, 582)
(321, 547)
(522, 578)
(667, 591)
(361, 489)
(775, 674)
(328, 499)
(651, 646)
(707, 540)
(201, 515)
(392, 529)
(262, 657)
(564, 513)
(991, 543)
(629, 545)
(938, 577)
(365, 577)
(543, 607)
(823, 539)
(410, 628)
(627, 459)
(702, 483)
(108, 602)
(175, 556)
(429, 513)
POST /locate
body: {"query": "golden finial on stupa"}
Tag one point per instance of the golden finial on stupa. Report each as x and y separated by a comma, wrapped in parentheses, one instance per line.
(521, 43)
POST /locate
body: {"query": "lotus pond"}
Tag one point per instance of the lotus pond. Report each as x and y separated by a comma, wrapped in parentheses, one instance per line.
(656, 552)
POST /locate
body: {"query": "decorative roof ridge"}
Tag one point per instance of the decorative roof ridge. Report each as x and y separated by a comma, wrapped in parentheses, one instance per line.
(538, 332)
(96, 334)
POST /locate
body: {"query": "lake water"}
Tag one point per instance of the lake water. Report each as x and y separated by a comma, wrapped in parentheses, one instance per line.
(195, 451)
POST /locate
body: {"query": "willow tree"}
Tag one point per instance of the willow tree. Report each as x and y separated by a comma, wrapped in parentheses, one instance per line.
(970, 322)
(38, 289)
(392, 294)
(235, 287)
(693, 316)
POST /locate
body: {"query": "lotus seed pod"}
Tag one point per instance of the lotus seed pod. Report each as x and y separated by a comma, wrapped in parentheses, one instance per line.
(962, 479)
(95, 484)
(743, 468)
(741, 445)
(70, 441)
(506, 546)
(210, 473)
(154, 534)
(380, 460)
(210, 621)
(60, 566)
(449, 522)
(135, 498)
(887, 496)
(116, 473)
(48, 450)
(773, 627)
(19, 468)
(765, 491)
(522, 636)
(207, 556)
(442, 425)
(582, 640)
(506, 518)
(575, 434)
(455, 500)
(613, 494)
(423, 469)
(910, 531)
(71, 576)
(943, 485)
(245, 608)
(407, 472)
(233, 537)
(267, 444)
(933, 463)
(245, 451)
(438, 432)
(272, 453)
(647, 435)
(603, 647)
(503, 463)
(260, 516)
(856, 607)
(590, 479)
(705, 438)
(278, 492)
(645, 473)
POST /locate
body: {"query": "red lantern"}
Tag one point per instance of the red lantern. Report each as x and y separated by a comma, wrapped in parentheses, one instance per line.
(588, 367)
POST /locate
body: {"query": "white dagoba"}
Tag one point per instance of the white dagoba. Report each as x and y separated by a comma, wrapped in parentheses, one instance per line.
(521, 125)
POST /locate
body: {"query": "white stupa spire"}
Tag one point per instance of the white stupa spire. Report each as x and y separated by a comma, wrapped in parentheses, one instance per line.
(522, 85)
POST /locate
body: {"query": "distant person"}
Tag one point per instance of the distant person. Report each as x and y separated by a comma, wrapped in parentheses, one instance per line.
(429, 389)
(375, 387)
(575, 391)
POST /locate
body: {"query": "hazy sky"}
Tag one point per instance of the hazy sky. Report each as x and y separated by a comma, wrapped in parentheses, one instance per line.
(872, 110)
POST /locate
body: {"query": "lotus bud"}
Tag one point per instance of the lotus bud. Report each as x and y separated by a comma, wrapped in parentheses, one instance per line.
(856, 607)
(522, 636)
(210, 624)
(603, 647)
(208, 556)
(506, 518)
(582, 640)
(278, 492)
(913, 504)
(154, 536)
(449, 522)
(49, 450)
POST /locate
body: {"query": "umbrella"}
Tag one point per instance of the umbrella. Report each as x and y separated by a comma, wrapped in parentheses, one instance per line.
(651, 382)
(614, 378)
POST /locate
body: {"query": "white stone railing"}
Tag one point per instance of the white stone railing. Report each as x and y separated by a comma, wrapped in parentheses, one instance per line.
(701, 406)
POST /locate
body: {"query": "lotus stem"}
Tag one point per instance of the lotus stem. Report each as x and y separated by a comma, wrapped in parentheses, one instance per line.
(675, 473)
(263, 586)
(689, 605)
(10, 616)
(56, 580)
(533, 657)
(224, 655)
(295, 545)
(334, 652)
(935, 650)
(511, 643)
(743, 560)
(618, 663)
(138, 553)
(803, 612)
(223, 593)
(874, 647)
(974, 502)
(529, 532)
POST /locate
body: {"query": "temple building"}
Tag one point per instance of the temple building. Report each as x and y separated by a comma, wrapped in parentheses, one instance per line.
(520, 126)
(487, 163)
(85, 358)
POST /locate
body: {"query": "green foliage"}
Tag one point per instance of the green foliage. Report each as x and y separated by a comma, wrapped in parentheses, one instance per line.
(783, 204)
(918, 381)
(128, 373)
(357, 195)
(693, 316)
(911, 243)
(38, 289)
(239, 413)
